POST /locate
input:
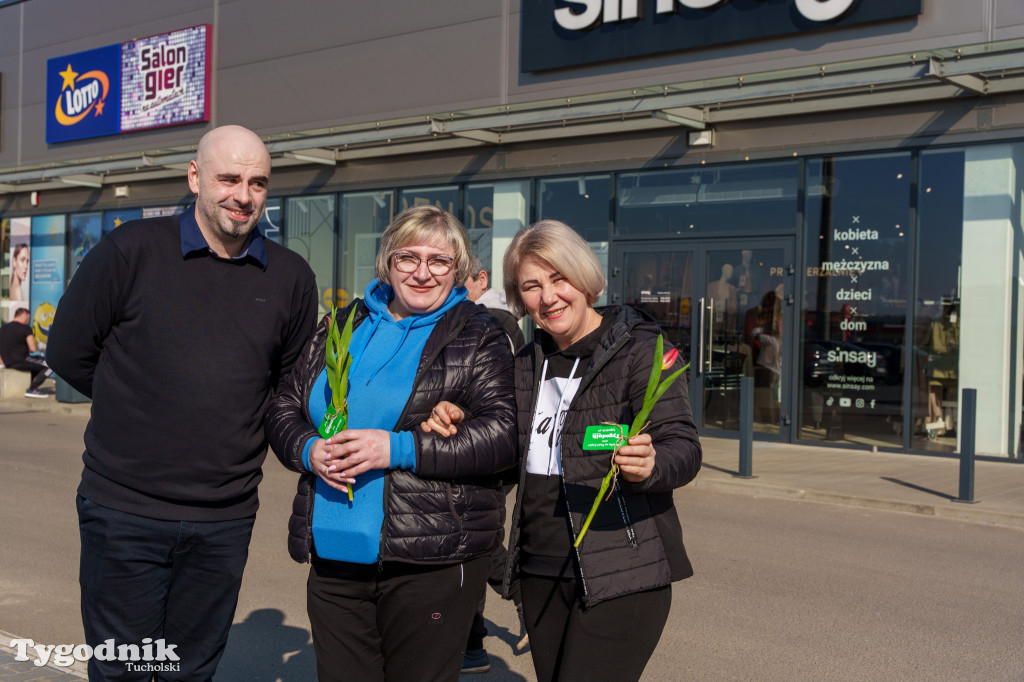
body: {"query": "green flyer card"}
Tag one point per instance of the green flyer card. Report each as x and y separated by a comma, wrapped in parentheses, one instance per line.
(605, 436)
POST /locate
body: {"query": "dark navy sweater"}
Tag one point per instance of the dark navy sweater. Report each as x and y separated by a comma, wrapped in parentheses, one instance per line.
(180, 353)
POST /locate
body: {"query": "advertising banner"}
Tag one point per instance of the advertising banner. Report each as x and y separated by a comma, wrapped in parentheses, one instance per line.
(86, 231)
(112, 219)
(165, 79)
(83, 94)
(154, 82)
(48, 253)
(21, 265)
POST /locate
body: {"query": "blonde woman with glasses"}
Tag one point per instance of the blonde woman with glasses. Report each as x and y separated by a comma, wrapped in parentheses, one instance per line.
(396, 574)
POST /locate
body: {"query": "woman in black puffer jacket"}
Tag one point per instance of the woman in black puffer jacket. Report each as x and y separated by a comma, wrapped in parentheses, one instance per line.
(595, 612)
(398, 572)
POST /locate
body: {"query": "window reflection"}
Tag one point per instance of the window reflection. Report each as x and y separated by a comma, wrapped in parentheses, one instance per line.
(582, 202)
(937, 311)
(760, 196)
(310, 226)
(364, 217)
(857, 211)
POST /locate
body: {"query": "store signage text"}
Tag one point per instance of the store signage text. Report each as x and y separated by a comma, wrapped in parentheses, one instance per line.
(560, 33)
(152, 82)
(591, 12)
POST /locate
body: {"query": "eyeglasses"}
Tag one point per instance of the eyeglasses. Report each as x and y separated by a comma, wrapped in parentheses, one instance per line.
(437, 265)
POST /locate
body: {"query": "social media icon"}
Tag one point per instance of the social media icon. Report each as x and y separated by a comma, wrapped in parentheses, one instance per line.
(844, 402)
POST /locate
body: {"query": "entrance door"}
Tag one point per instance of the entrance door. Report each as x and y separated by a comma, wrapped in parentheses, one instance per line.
(729, 311)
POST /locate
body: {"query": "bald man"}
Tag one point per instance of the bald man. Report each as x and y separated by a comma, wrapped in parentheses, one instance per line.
(179, 328)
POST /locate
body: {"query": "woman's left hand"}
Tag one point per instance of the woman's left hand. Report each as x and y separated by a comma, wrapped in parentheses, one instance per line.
(356, 451)
(636, 460)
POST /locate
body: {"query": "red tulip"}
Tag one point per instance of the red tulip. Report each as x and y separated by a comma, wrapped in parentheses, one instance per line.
(669, 359)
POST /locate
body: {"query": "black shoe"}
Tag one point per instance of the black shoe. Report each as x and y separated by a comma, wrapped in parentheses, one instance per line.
(34, 393)
(475, 661)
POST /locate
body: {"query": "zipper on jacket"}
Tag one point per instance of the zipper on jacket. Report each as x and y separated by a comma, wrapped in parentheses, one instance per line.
(627, 522)
(383, 524)
(576, 550)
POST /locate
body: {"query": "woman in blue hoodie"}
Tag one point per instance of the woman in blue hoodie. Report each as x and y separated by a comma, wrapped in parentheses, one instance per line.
(396, 573)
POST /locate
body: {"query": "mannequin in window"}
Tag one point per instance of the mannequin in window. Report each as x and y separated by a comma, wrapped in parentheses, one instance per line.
(722, 293)
(943, 344)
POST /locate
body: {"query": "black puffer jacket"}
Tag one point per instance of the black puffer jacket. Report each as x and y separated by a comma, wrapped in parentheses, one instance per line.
(635, 541)
(449, 509)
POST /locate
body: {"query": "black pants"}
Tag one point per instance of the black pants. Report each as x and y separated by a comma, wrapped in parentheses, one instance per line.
(611, 641)
(38, 369)
(175, 581)
(402, 623)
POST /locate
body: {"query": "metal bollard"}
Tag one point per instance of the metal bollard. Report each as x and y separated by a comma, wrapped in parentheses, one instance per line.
(968, 407)
(746, 427)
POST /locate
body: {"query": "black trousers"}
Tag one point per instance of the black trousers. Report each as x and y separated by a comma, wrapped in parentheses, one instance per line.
(610, 641)
(175, 581)
(38, 369)
(399, 623)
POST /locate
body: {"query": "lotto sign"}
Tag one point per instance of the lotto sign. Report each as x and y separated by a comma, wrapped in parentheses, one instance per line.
(153, 82)
(83, 94)
(165, 79)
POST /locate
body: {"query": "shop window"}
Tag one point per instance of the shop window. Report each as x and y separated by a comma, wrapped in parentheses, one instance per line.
(86, 231)
(479, 223)
(447, 197)
(749, 197)
(114, 219)
(364, 217)
(857, 213)
(936, 356)
(270, 222)
(581, 202)
(309, 228)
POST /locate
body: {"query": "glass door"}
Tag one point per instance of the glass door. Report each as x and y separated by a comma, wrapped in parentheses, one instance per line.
(729, 311)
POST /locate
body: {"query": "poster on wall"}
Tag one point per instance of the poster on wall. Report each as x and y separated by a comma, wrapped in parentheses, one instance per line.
(21, 265)
(113, 219)
(165, 79)
(47, 273)
(86, 231)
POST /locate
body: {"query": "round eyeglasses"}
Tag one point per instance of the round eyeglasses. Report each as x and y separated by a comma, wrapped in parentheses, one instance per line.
(437, 265)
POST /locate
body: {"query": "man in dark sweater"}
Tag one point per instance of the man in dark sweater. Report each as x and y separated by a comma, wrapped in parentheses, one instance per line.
(179, 329)
(17, 343)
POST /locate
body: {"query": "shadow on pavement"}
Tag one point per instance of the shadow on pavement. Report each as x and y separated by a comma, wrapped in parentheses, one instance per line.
(263, 648)
(897, 481)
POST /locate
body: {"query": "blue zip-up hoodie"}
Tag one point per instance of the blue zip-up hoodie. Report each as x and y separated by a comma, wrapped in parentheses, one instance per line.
(380, 382)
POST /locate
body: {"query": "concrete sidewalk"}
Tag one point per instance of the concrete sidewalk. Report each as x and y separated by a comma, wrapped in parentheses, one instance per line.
(920, 484)
(917, 484)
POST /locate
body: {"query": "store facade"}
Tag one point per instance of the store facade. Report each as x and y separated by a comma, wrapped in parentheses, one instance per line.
(824, 195)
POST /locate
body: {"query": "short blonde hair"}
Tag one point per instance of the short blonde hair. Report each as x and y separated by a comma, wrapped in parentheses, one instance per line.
(421, 225)
(564, 249)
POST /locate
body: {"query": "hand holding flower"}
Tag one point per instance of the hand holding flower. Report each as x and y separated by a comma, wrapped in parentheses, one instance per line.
(636, 460)
(640, 452)
(356, 451)
(322, 461)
